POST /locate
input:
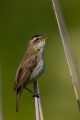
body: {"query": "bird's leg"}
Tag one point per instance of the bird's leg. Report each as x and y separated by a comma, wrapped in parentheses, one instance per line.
(36, 94)
(28, 90)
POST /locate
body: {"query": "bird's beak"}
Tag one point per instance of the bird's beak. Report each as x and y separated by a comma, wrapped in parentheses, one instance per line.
(44, 38)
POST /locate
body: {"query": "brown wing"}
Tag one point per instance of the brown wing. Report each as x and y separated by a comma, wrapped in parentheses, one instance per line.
(24, 71)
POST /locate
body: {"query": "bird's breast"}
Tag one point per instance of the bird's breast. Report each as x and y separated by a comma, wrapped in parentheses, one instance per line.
(40, 67)
(38, 70)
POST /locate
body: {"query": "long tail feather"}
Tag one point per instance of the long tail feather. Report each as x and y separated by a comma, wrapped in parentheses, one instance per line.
(18, 95)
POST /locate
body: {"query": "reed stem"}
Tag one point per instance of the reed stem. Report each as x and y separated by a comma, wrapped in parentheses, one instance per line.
(38, 107)
(69, 53)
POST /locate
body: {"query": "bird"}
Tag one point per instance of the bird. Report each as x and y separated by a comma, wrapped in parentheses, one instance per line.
(31, 66)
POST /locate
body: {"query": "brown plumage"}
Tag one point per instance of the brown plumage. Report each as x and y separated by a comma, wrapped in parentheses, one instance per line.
(29, 67)
(22, 77)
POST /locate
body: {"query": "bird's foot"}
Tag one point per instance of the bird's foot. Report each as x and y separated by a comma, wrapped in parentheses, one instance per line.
(36, 95)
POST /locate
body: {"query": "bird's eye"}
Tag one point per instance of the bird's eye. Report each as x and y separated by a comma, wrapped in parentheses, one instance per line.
(36, 40)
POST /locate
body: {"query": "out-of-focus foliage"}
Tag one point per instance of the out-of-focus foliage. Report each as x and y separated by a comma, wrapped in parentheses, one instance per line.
(20, 20)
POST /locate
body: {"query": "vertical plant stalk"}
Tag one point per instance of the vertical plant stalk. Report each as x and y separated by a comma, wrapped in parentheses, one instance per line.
(1, 116)
(71, 60)
(38, 107)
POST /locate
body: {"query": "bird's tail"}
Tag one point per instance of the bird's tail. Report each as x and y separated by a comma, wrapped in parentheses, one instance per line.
(18, 95)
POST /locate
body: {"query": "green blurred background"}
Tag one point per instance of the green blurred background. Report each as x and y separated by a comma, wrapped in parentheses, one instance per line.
(19, 21)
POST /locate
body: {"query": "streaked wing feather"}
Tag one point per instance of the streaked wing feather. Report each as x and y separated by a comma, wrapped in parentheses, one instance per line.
(24, 71)
(18, 75)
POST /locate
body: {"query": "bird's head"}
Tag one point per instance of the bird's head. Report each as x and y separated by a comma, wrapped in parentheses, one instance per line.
(38, 42)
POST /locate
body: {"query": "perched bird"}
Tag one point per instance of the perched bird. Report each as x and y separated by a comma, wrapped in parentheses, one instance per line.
(31, 66)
